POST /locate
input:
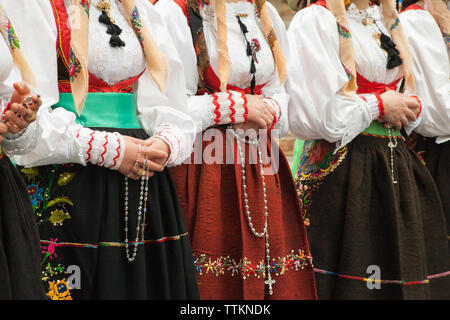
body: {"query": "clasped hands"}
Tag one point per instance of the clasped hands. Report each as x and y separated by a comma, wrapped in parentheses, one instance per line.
(399, 109)
(22, 110)
(260, 114)
(143, 158)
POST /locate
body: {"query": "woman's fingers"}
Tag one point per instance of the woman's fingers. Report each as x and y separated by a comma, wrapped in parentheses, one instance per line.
(3, 128)
(20, 110)
(12, 127)
(267, 121)
(404, 121)
(151, 166)
(16, 120)
(410, 115)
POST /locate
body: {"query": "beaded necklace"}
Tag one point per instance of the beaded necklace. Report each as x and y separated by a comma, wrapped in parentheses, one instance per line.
(265, 232)
(142, 209)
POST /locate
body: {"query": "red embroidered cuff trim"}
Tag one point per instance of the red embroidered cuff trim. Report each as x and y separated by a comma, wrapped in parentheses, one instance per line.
(88, 152)
(216, 110)
(245, 115)
(118, 153)
(380, 106)
(420, 103)
(233, 110)
(102, 156)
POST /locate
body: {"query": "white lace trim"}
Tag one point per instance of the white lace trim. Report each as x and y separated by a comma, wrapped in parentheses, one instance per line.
(23, 142)
(113, 65)
(370, 59)
(101, 148)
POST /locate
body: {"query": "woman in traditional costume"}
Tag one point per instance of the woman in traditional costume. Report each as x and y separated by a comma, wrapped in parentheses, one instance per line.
(427, 28)
(109, 82)
(376, 224)
(247, 234)
(19, 246)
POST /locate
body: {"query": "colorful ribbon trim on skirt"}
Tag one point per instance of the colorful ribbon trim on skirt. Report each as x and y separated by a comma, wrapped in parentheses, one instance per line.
(111, 244)
(400, 282)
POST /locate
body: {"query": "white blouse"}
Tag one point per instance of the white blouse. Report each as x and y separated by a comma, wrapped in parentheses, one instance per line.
(13, 144)
(160, 114)
(202, 107)
(431, 71)
(318, 109)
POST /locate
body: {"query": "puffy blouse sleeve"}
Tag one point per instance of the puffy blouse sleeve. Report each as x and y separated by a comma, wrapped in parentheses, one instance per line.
(274, 91)
(209, 109)
(37, 30)
(161, 115)
(165, 114)
(318, 109)
(431, 72)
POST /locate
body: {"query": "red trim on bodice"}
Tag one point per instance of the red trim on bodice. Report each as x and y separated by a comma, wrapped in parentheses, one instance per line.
(213, 82)
(413, 7)
(63, 49)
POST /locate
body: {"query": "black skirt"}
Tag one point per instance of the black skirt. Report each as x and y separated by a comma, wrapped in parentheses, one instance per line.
(19, 246)
(81, 219)
(362, 225)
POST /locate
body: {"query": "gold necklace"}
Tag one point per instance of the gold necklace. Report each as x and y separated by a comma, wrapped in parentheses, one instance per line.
(103, 5)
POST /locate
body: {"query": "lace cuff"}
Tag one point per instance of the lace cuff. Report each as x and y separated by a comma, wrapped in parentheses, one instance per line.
(229, 107)
(101, 148)
(372, 104)
(22, 142)
(173, 140)
(276, 108)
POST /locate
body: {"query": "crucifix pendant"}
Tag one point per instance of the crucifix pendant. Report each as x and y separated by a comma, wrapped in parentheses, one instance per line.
(270, 282)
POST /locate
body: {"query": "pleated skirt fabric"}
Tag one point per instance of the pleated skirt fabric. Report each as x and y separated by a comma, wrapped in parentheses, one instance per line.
(362, 225)
(80, 211)
(230, 260)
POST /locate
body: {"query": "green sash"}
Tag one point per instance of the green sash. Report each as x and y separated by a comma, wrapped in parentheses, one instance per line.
(377, 128)
(104, 110)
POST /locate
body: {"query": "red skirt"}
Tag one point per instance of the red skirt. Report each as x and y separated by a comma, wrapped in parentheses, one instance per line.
(230, 261)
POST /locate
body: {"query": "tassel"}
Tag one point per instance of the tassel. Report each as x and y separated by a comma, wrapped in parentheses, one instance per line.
(104, 18)
(394, 59)
(114, 29)
(115, 41)
(253, 84)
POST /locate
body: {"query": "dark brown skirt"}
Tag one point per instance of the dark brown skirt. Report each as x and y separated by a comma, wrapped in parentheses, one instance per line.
(229, 259)
(360, 221)
(437, 160)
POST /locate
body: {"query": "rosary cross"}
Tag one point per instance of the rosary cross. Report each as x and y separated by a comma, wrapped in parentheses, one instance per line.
(270, 282)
